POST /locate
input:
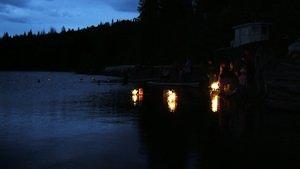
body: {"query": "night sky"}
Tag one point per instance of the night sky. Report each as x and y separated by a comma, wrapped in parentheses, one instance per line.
(17, 16)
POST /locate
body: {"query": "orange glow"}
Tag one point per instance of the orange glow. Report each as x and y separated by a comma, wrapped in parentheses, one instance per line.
(141, 91)
(134, 99)
(134, 92)
(171, 98)
(215, 86)
(137, 96)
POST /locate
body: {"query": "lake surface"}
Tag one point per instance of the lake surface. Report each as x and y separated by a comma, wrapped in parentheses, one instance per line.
(52, 120)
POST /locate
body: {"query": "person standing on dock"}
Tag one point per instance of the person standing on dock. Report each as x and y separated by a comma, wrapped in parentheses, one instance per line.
(242, 81)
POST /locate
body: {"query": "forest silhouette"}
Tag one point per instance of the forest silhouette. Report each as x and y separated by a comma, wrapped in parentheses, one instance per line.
(166, 32)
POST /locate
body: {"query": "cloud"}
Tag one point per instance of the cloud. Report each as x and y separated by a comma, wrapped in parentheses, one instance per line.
(17, 16)
(14, 19)
(120, 5)
(123, 5)
(3, 9)
(18, 3)
(61, 14)
(13, 14)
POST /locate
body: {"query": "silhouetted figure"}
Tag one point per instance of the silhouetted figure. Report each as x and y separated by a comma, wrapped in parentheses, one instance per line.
(242, 82)
(228, 78)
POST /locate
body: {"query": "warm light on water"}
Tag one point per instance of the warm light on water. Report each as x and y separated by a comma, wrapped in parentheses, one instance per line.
(134, 99)
(137, 96)
(171, 98)
(215, 103)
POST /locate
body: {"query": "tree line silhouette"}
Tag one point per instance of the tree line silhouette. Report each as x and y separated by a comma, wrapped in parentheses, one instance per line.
(166, 32)
(86, 50)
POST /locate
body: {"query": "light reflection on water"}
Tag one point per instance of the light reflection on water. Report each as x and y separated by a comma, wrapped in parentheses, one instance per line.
(85, 124)
(169, 96)
(64, 121)
(215, 103)
(214, 96)
(137, 96)
(171, 99)
(134, 99)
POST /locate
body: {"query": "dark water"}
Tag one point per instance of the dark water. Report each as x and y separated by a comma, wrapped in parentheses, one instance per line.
(64, 120)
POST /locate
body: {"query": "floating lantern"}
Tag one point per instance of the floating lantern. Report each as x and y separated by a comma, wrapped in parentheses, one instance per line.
(215, 86)
(134, 92)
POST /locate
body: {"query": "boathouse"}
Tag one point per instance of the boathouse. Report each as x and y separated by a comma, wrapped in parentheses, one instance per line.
(250, 32)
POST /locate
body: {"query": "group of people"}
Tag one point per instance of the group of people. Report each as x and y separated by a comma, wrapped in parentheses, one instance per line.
(231, 77)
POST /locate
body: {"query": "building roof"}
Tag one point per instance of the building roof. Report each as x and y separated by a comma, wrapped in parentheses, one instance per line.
(251, 24)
